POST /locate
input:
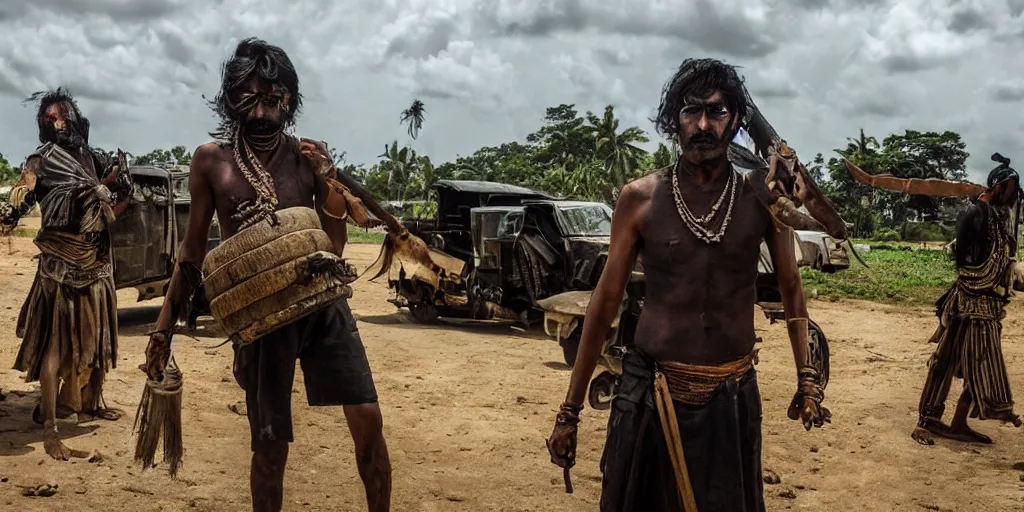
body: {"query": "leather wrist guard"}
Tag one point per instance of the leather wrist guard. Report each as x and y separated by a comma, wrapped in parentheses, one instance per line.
(808, 384)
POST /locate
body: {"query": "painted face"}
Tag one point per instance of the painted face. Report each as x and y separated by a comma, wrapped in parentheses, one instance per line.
(706, 126)
(265, 107)
(56, 115)
(60, 125)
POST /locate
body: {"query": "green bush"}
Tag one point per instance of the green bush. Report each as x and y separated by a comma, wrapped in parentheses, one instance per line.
(887, 235)
(926, 232)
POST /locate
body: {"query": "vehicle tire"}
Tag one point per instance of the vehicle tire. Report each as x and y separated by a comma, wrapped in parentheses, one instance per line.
(424, 313)
(602, 391)
(570, 346)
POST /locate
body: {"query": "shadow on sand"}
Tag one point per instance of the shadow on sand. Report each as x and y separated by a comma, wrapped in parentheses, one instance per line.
(404, 320)
(18, 431)
(139, 320)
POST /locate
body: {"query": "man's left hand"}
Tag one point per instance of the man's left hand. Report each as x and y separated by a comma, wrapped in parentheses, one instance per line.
(809, 411)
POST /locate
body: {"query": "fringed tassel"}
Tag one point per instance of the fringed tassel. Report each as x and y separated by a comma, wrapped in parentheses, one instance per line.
(159, 415)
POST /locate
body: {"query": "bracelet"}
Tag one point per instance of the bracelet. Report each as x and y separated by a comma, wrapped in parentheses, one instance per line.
(568, 414)
(807, 384)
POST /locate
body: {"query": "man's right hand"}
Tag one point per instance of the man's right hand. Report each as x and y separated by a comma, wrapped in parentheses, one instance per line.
(158, 353)
(562, 443)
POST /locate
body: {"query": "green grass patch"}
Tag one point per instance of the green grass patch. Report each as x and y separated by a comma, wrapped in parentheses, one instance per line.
(357, 235)
(25, 232)
(898, 274)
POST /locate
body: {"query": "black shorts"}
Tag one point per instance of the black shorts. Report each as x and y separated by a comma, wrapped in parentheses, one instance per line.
(334, 368)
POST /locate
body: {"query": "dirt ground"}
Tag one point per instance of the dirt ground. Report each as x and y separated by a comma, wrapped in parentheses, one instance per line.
(467, 409)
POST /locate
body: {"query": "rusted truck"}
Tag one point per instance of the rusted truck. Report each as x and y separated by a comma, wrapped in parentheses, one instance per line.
(146, 236)
(511, 246)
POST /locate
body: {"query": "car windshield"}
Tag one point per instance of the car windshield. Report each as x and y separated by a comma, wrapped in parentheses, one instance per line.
(587, 219)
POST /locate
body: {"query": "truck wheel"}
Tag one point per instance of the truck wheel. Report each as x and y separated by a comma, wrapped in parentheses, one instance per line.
(570, 346)
(424, 313)
(602, 390)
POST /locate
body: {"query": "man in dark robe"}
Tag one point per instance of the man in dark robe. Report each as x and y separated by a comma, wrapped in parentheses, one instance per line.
(68, 323)
(685, 423)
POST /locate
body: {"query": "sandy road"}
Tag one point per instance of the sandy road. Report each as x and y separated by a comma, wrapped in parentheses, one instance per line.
(466, 411)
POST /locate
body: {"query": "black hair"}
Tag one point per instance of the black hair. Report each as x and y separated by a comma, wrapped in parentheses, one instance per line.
(60, 95)
(699, 78)
(269, 64)
(1003, 172)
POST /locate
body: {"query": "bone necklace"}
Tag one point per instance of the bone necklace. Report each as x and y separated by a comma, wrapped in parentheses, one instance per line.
(260, 180)
(258, 177)
(700, 226)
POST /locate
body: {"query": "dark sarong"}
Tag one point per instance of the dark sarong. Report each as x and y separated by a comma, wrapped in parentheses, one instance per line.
(334, 367)
(721, 440)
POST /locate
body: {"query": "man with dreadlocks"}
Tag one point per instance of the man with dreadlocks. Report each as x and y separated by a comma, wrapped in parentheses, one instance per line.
(68, 323)
(254, 166)
(685, 424)
(970, 316)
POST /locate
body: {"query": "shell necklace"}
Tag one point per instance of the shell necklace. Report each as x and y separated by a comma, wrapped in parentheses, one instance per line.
(700, 227)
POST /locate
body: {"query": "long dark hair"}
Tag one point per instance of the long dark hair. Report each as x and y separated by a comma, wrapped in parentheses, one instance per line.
(699, 78)
(79, 124)
(254, 58)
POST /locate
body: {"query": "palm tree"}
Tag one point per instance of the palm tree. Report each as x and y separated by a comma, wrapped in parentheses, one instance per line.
(663, 157)
(425, 177)
(399, 164)
(414, 116)
(619, 152)
(861, 149)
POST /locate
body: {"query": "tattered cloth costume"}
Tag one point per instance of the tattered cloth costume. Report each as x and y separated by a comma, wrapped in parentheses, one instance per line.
(970, 321)
(72, 306)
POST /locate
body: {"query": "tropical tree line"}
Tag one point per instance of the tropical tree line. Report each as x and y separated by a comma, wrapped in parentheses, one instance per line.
(590, 156)
(912, 154)
(8, 173)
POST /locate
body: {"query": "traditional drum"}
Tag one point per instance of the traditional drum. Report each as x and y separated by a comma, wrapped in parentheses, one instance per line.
(272, 274)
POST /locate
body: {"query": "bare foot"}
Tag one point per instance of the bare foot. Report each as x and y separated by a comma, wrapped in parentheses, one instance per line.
(961, 433)
(1012, 419)
(56, 449)
(967, 435)
(926, 434)
(106, 414)
(922, 436)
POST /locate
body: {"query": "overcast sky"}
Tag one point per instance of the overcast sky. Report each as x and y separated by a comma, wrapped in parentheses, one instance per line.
(486, 69)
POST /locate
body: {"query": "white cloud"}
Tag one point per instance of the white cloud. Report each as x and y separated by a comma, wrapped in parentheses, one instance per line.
(487, 69)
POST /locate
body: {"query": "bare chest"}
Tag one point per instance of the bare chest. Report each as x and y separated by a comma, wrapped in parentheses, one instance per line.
(674, 246)
(293, 182)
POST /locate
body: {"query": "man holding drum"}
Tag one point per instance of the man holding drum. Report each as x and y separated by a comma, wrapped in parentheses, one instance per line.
(251, 170)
